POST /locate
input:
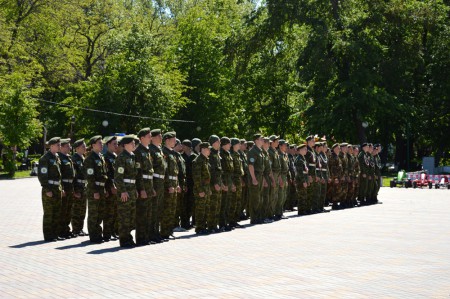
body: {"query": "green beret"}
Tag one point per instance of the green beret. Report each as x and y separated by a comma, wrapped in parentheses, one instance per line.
(282, 142)
(364, 145)
(266, 139)
(242, 141)
(257, 136)
(169, 135)
(204, 145)
(108, 139)
(213, 139)
(78, 143)
(54, 140)
(349, 145)
(127, 139)
(274, 137)
(225, 141)
(195, 142)
(344, 144)
(178, 142)
(377, 145)
(335, 145)
(143, 132)
(235, 141)
(187, 143)
(94, 139)
(155, 132)
(370, 144)
(310, 137)
(301, 146)
(292, 146)
(65, 141)
(250, 143)
(318, 144)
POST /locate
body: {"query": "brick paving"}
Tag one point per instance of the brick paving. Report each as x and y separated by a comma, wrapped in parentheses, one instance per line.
(400, 249)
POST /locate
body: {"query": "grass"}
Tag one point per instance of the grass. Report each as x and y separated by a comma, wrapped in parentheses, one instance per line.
(386, 181)
(17, 175)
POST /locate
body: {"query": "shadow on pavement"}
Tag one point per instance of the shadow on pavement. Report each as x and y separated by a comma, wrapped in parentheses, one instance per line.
(108, 250)
(82, 244)
(27, 244)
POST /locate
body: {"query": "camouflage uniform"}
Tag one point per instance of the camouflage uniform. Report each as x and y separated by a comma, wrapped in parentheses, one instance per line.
(244, 201)
(325, 175)
(336, 173)
(267, 208)
(145, 207)
(236, 202)
(96, 174)
(79, 204)
(215, 199)
(110, 222)
(125, 179)
(256, 159)
(202, 178)
(275, 167)
(314, 186)
(67, 177)
(377, 180)
(181, 209)
(49, 175)
(364, 164)
(356, 178)
(159, 168)
(282, 191)
(344, 182)
(371, 184)
(227, 179)
(189, 194)
(170, 199)
(351, 175)
(317, 206)
(292, 197)
(301, 177)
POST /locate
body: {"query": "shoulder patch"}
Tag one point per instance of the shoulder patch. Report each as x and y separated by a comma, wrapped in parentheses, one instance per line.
(90, 171)
(138, 165)
(44, 170)
(252, 160)
(120, 170)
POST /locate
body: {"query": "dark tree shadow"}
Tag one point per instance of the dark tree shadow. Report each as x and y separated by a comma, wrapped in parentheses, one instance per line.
(32, 243)
(82, 244)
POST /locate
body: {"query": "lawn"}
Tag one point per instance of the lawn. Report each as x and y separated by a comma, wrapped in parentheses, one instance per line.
(18, 175)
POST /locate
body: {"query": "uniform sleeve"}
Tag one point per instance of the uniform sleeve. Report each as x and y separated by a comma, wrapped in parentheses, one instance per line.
(89, 172)
(119, 173)
(197, 177)
(139, 173)
(43, 173)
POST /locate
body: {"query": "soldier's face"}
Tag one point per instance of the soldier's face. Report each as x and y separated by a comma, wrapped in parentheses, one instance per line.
(243, 147)
(266, 145)
(178, 147)
(81, 149)
(97, 146)
(259, 142)
(226, 147)
(350, 150)
(303, 151)
(65, 149)
(275, 143)
(337, 150)
(145, 140)
(216, 145)
(157, 139)
(236, 147)
(206, 151)
(112, 145)
(355, 151)
(55, 147)
(344, 149)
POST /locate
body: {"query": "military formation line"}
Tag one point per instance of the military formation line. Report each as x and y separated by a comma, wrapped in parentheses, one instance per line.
(155, 184)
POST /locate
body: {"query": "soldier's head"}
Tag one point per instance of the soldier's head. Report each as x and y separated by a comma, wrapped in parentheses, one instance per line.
(378, 148)
(111, 143)
(235, 144)
(196, 144)
(302, 149)
(370, 149)
(80, 146)
(145, 136)
(310, 141)
(128, 143)
(336, 148)
(266, 143)
(258, 140)
(170, 139)
(243, 146)
(156, 137)
(186, 145)
(274, 141)
(96, 143)
(65, 146)
(283, 145)
(214, 140)
(365, 147)
(325, 147)
(204, 148)
(344, 147)
(178, 147)
(54, 144)
(355, 150)
(317, 147)
(250, 144)
(225, 143)
(350, 149)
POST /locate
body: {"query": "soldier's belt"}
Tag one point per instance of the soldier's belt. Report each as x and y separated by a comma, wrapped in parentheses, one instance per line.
(129, 181)
(56, 183)
(312, 164)
(305, 172)
(147, 176)
(173, 178)
(67, 181)
(324, 170)
(81, 181)
(100, 184)
(159, 176)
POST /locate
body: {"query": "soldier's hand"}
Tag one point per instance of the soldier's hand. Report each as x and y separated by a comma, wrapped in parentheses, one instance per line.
(96, 195)
(281, 184)
(77, 195)
(63, 193)
(265, 185)
(178, 189)
(322, 181)
(224, 188)
(329, 181)
(201, 194)
(114, 190)
(305, 185)
(171, 190)
(153, 192)
(184, 189)
(124, 196)
(317, 179)
(364, 175)
(49, 194)
(336, 181)
(310, 179)
(255, 182)
(217, 187)
(233, 188)
(143, 194)
(106, 194)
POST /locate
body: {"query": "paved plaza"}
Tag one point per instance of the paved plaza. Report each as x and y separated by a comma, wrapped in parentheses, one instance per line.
(398, 249)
